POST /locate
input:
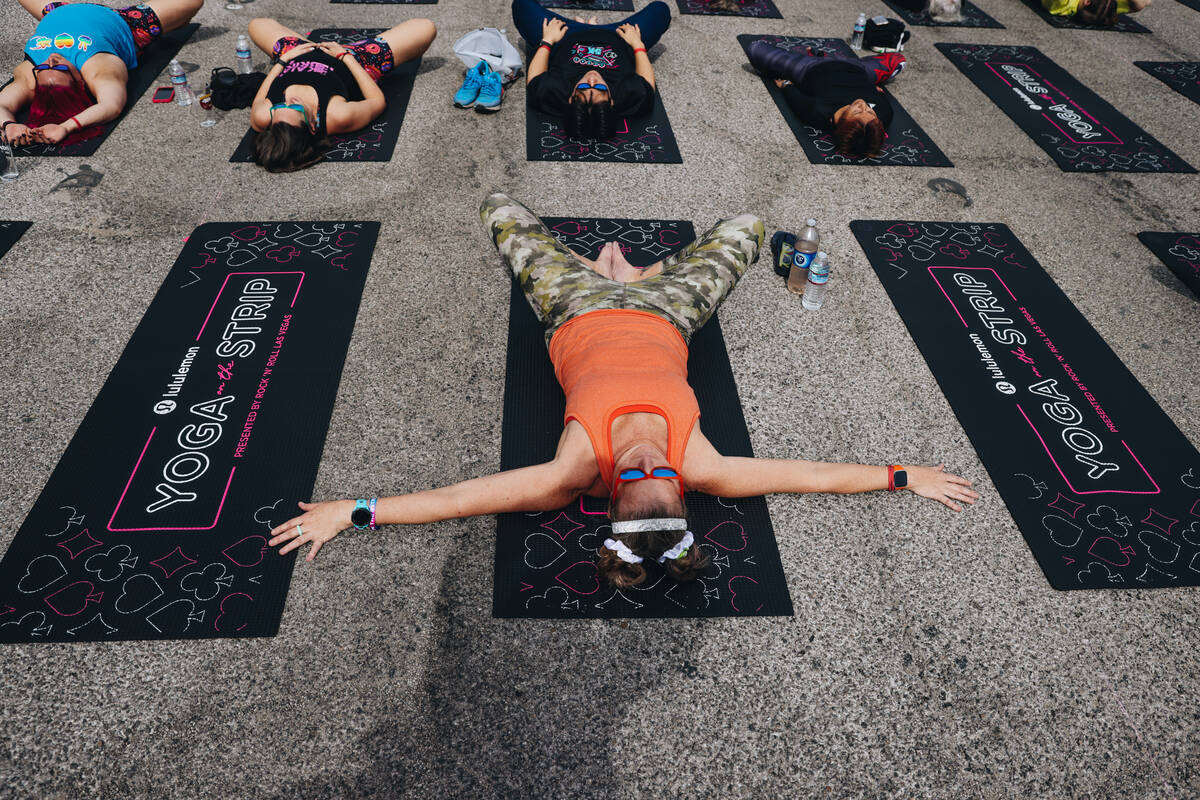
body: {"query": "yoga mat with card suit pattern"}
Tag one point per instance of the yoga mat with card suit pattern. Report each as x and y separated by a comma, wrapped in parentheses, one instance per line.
(1102, 484)
(1081, 131)
(972, 17)
(545, 562)
(377, 141)
(387, 2)
(589, 5)
(1180, 252)
(639, 140)
(764, 9)
(1125, 24)
(154, 524)
(151, 63)
(906, 145)
(10, 233)
(1182, 76)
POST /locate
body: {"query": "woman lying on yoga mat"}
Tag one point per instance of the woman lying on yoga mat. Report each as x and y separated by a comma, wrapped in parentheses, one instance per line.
(76, 65)
(1093, 12)
(591, 75)
(835, 93)
(618, 339)
(318, 89)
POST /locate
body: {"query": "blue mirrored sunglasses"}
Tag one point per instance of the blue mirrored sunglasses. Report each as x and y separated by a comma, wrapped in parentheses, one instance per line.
(55, 67)
(657, 472)
(598, 86)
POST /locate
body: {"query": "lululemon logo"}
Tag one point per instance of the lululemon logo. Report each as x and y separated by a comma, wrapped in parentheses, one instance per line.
(164, 406)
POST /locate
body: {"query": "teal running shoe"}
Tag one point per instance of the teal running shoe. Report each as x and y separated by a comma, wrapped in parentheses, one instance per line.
(472, 83)
(490, 94)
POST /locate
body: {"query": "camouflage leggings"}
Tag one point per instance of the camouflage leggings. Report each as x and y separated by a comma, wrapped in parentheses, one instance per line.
(560, 287)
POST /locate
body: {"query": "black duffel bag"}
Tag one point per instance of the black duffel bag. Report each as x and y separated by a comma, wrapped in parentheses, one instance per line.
(231, 90)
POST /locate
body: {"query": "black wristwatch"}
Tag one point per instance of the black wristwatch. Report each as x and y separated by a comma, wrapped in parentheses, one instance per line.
(363, 515)
(897, 477)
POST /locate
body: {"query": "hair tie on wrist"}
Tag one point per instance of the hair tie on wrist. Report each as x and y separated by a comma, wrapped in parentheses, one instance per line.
(641, 50)
(545, 44)
(78, 125)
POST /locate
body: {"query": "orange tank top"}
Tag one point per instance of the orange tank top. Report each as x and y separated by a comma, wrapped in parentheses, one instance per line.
(617, 361)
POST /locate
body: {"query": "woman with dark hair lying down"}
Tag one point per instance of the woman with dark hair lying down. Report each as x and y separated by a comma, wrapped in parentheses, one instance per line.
(1101, 13)
(591, 75)
(837, 94)
(316, 89)
(76, 66)
(618, 337)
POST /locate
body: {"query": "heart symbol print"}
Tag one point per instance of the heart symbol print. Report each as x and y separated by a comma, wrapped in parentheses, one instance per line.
(234, 610)
(729, 535)
(581, 578)
(247, 552)
(542, 550)
(346, 239)
(749, 598)
(903, 229)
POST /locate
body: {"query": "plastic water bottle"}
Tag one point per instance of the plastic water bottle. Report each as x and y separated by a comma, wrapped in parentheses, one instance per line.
(818, 281)
(860, 25)
(183, 95)
(244, 67)
(806, 247)
(8, 163)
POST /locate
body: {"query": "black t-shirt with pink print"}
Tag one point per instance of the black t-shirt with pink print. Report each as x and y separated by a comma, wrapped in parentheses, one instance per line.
(585, 49)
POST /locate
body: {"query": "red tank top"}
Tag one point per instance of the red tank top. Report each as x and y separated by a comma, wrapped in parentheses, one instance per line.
(616, 362)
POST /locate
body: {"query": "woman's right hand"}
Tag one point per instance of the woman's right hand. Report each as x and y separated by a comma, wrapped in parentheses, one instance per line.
(17, 133)
(553, 30)
(296, 51)
(319, 523)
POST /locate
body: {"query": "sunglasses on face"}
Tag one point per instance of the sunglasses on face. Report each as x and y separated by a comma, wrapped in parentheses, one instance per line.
(633, 475)
(291, 107)
(55, 67)
(600, 87)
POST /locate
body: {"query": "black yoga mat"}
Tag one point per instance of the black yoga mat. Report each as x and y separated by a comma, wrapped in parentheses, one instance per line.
(589, 5)
(388, 2)
(151, 63)
(1125, 24)
(1180, 252)
(1182, 76)
(376, 141)
(208, 430)
(1080, 130)
(545, 562)
(906, 145)
(1104, 487)
(639, 140)
(10, 232)
(972, 17)
(1192, 4)
(745, 8)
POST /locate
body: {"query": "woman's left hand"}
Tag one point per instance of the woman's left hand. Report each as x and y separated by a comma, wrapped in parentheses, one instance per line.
(631, 35)
(937, 484)
(319, 523)
(50, 134)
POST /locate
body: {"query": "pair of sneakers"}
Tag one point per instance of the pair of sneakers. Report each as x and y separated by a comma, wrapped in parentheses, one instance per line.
(482, 88)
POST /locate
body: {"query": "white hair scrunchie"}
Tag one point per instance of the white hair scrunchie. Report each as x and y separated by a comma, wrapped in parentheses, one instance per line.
(623, 552)
(679, 549)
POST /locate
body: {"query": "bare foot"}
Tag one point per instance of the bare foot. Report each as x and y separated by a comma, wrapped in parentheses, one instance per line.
(620, 268)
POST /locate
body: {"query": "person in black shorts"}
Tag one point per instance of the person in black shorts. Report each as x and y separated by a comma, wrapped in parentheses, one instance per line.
(316, 89)
(590, 75)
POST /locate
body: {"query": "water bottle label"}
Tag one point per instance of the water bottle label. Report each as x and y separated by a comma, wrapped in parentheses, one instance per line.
(803, 260)
(243, 53)
(179, 80)
(818, 278)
